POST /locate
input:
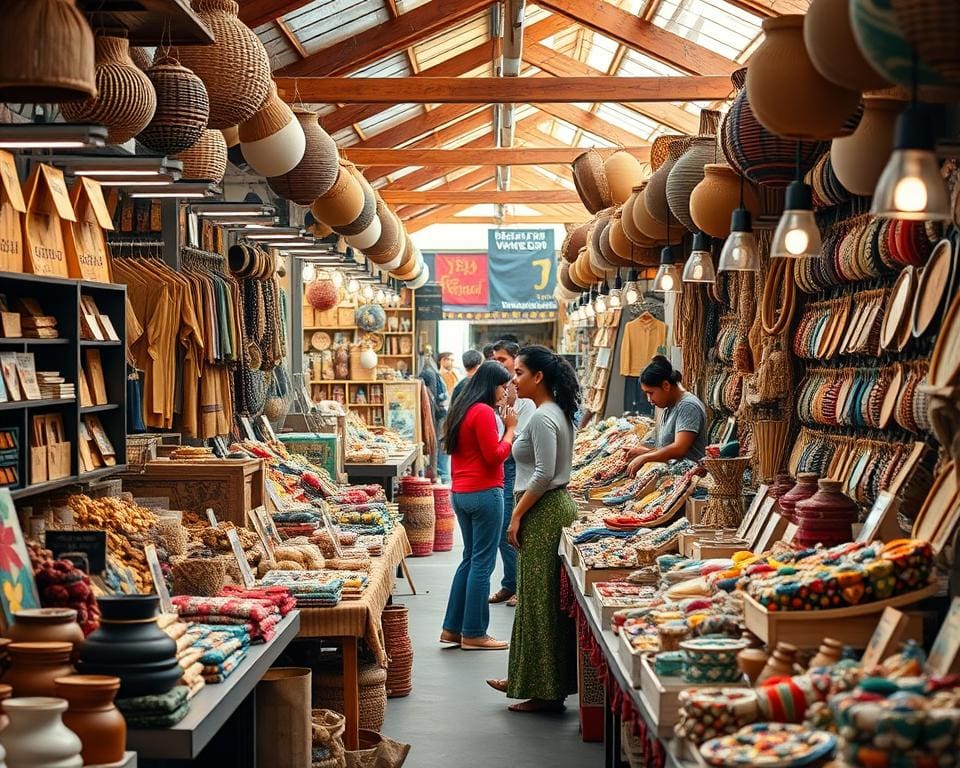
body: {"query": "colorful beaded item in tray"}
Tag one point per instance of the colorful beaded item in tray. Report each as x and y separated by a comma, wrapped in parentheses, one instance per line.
(770, 745)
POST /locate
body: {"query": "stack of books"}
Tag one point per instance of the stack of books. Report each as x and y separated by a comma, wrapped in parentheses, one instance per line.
(54, 387)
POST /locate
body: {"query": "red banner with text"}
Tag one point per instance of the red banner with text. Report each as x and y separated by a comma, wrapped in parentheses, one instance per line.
(463, 278)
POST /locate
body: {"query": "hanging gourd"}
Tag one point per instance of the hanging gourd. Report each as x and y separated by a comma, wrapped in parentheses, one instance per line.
(182, 107)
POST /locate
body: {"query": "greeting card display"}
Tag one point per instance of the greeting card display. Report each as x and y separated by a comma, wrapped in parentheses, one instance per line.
(12, 208)
(86, 245)
(48, 206)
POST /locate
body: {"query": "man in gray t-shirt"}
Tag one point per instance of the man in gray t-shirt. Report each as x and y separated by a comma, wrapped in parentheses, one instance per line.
(683, 423)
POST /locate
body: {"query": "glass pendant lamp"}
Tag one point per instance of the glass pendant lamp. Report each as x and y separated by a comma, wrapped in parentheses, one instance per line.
(699, 267)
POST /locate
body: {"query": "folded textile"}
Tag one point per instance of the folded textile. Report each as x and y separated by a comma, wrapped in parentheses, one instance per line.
(236, 630)
(196, 686)
(595, 534)
(221, 652)
(276, 595)
(190, 657)
(258, 632)
(217, 673)
(157, 703)
(176, 630)
(160, 720)
(251, 610)
(216, 637)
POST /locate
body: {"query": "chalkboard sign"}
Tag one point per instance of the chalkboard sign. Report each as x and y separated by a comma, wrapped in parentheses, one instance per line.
(91, 543)
(429, 303)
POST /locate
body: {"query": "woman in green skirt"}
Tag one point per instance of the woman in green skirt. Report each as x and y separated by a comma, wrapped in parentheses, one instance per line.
(543, 661)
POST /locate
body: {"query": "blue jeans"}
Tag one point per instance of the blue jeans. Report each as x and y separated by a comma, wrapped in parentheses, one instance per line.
(443, 465)
(507, 553)
(480, 516)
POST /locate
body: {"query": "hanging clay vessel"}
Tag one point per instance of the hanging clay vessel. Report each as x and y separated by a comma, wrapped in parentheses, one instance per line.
(342, 203)
(317, 170)
(367, 237)
(390, 236)
(235, 68)
(565, 280)
(789, 96)
(828, 37)
(272, 140)
(363, 219)
(57, 625)
(93, 716)
(805, 488)
(37, 737)
(125, 100)
(34, 667)
(623, 172)
(182, 108)
(715, 198)
(827, 517)
(686, 173)
(859, 159)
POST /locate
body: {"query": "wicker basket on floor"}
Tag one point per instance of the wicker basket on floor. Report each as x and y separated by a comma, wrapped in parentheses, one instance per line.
(444, 517)
(416, 506)
(328, 692)
(396, 640)
(327, 736)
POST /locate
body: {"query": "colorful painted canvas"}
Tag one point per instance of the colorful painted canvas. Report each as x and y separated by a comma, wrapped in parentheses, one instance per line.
(17, 587)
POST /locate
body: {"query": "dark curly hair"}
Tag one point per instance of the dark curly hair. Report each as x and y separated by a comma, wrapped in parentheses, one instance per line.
(559, 377)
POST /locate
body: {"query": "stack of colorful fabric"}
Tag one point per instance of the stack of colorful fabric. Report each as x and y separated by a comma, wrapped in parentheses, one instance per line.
(278, 596)
(219, 649)
(187, 656)
(312, 589)
(161, 710)
(259, 617)
(354, 583)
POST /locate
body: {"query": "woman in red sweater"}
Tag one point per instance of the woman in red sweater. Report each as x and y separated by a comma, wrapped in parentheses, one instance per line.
(477, 450)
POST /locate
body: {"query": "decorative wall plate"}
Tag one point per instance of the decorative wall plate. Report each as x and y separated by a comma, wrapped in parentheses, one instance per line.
(941, 501)
(932, 288)
(320, 340)
(901, 300)
(889, 407)
(945, 360)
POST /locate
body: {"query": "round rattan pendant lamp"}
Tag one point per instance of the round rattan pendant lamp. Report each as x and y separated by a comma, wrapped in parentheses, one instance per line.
(859, 159)
(207, 159)
(235, 68)
(714, 199)
(342, 203)
(788, 95)
(630, 229)
(272, 141)
(623, 172)
(46, 53)
(653, 231)
(564, 278)
(590, 179)
(381, 251)
(367, 212)
(575, 240)
(125, 100)
(421, 279)
(367, 237)
(686, 173)
(318, 168)
(655, 193)
(182, 107)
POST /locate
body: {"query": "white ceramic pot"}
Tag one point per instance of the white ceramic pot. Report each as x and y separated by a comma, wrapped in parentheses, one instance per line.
(368, 358)
(36, 736)
(420, 280)
(278, 153)
(368, 237)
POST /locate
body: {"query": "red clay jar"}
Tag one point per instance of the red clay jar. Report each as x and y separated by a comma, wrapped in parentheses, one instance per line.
(46, 625)
(805, 488)
(34, 667)
(93, 716)
(827, 517)
(781, 484)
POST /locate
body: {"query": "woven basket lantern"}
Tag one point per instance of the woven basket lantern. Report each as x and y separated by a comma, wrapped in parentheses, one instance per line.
(342, 203)
(607, 251)
(655, 193)
(367, 213)
(411, 264)
(714, 199)
(619, 243)
(686, 173)
(581, 278)
(272, 141)
(590, 179)
(758, 154)
(623, 172)
(787, 94)
(565, 279)
(389, 234)
(933, 28)
(125, 100)
(421, 279)
(235, 69)
(317, 170)
(140, 57)
(368, 237)
(575, 240)
(182, 108)
(46, 53)
(207, 159)
(652, 230)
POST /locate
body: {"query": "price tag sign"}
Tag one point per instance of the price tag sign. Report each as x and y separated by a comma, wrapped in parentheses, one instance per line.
(248, 579)
(256, 520)
(211, 517)
(333, 532)
(166, 604)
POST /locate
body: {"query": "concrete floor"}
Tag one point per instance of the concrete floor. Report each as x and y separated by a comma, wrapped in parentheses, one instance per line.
(452, 718)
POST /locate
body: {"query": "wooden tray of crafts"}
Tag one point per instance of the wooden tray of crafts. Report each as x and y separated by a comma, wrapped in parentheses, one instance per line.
(853, 625)
(606, 607)
(591, 576)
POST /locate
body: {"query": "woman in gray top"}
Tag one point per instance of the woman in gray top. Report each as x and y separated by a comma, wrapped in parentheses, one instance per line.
(682, 432)
(543, 662)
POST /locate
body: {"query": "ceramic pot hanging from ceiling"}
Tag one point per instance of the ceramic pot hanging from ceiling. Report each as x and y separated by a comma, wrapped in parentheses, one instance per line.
(272, 141)
(859, 159)
(828, 37)
(623, 172)
(633, 234)
(715, 198)
(342, 203)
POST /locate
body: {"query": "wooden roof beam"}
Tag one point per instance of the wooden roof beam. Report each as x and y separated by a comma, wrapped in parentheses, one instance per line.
(467, 181)
(462, 157)
(253, 13)
(492, 90)
(414, 128)
(445, 196)
(589, 122)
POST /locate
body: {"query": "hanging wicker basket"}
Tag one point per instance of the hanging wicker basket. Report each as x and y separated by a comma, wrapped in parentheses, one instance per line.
(207, 159)
(590, 179)
(686, 173)
(182, 108)
(125, 100)
(235, 69)
(366, 216)
(317, 171)
(272, 141)
(342, 203)
(46, 53)
(389, 234)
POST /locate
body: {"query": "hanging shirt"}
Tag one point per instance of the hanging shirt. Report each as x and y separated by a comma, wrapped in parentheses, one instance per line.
(643, 338)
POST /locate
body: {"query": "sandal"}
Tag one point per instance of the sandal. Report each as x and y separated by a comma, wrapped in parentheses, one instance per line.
(449, 638)
(538, 705)
(485, 643)
(498, 685)
(512, 602)
(500, 595)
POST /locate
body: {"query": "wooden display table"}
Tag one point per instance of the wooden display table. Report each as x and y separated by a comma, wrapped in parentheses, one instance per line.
(221, 715)
(231, 487)
(354, 619)
(387, 472)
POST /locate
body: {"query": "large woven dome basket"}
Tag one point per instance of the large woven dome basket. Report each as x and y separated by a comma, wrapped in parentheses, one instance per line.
(590, 179)
(235, 69)
(182, 108)
(125, 100)
(389, 234)
(207, 159)
(318, 169)
(46, 53)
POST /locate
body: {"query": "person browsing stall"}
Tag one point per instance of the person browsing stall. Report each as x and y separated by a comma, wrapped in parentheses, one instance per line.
(681, 433)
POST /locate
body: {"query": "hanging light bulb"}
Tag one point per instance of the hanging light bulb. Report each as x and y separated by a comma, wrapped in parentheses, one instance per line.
(699, 267)
(911, 186)
(740, 252)
(336, 277)
(668, 276)
(309, 272)
(615, 302)
(379, 297)
(353, 286)
(367, 292)
(631, 293)
(797, 235)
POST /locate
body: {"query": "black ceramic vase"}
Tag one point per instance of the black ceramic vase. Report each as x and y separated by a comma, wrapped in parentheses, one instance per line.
(131, 646)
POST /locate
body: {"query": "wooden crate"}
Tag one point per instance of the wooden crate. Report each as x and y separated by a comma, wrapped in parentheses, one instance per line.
(630, 658)
(590, 576)
(706, 549)
(606, 610)
(852, 626)
(567, 548)
(231, 487)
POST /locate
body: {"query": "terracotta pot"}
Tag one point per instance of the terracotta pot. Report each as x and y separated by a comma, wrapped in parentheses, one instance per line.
(781, 662)
(751, 662)
(37, 737)
(93, 717)
(655, 194)
(831, 651)
(781, 484)
(35, 666)
(630, 229)
(789, 96)
(859, 159)
(828, 37)
(715, 198)
(805, 488)
(342, 203)
(623, 171)
(56, 625)
(686, 173)
(827, 517)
